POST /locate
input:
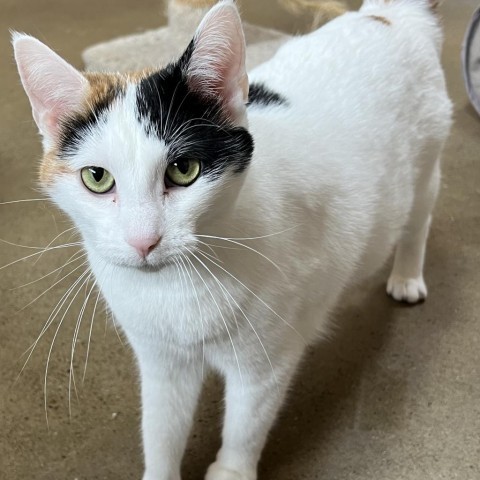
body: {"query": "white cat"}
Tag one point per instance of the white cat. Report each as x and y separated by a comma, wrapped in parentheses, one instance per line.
(222, 226)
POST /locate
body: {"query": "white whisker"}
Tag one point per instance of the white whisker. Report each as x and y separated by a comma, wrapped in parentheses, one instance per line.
(262, 236)
(25, 200)
(50, 319)
(53, 241)
(169, 111)
(74, 344)
(112, 316)
(245, 316)
(20, 245)
(56, 247)
(90, 337)
(52, 286)
(210, 248)
(248, 248)
(199, 310)
(223, 319)
(69, 261)
(223, 293)
(55, 337)
(260, 300)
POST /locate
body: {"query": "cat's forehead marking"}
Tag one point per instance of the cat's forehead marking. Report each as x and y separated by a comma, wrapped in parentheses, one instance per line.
(51, 167)
(164, 105)
(105, 89)
(189, 123)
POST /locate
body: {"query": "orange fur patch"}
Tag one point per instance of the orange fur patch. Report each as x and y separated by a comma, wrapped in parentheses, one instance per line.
(51, 167)
(103, 84)
(380, 19)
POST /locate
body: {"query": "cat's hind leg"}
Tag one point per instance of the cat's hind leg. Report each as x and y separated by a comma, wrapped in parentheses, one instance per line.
(406, 282)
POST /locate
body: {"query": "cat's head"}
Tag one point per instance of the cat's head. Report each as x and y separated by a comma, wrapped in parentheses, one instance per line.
(140, 160)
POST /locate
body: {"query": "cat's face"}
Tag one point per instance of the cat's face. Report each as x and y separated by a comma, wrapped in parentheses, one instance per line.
(147, 162)
(140, 161)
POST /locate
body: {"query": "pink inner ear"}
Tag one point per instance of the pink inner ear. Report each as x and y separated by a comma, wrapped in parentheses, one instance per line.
(217, 66)
(53, 86)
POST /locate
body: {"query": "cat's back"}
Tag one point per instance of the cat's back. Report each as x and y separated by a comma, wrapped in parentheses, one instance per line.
(360, 59)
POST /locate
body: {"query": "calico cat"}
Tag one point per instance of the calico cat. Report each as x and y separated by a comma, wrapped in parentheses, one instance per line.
(223, 220)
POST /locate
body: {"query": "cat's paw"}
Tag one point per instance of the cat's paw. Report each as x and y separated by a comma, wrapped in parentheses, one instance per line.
(217, 472)
(410, 290)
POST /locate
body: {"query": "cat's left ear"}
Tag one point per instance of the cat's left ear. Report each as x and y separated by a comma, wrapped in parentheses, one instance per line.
(55, 88)
(216, 67)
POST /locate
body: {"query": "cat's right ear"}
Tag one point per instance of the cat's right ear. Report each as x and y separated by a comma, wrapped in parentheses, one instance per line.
(54, 87)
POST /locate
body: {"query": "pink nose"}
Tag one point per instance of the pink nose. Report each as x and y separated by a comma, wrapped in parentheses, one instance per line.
(144, 246)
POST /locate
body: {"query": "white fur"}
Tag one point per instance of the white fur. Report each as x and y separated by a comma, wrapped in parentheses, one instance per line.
(343, 174)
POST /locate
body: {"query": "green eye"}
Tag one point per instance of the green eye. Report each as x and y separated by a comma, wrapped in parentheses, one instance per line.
(97, 179)
(182, 172)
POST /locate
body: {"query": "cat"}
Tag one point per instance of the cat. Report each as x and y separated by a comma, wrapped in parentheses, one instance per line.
(224, 215)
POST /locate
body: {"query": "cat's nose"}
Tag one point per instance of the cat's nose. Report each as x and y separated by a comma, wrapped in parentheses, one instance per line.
(144, 245)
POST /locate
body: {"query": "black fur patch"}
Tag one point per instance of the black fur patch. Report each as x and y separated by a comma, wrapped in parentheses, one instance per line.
(259, 94)
(75, 128)
(191, 124)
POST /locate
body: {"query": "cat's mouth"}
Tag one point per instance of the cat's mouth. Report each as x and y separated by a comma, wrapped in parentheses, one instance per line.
(156, 265)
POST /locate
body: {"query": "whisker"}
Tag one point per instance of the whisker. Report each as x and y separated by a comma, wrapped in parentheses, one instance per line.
(53, 240)
(246, 318)
(56, 247)
(184, 296)
(179, 107)
(74, 344)
(112, 316)
(210, 248)
(52, 286)
(25, 200)
(209, 255)
(69, 261)
(30, 246)
(261, 301)
(50, 320)
(263, 236)
(169, 111)
(90, 337)
(215, 278)
(20, 245)
(223, 319)
(199, 310)
(161, 107)
(248, 248)
(54, 339)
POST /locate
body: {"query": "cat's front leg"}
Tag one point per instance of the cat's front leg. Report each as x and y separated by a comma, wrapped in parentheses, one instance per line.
(170, 389)
(253, 398)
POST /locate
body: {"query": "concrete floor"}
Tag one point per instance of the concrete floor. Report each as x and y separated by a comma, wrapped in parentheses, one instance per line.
(394, 395)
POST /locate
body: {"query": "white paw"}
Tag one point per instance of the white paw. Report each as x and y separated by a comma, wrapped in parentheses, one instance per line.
(217, 472)
(411, 290)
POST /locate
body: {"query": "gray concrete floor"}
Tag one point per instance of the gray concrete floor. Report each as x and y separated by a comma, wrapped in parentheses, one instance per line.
(395, 394)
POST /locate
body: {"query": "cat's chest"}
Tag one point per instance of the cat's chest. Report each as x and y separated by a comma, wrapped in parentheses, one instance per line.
(176, 305)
